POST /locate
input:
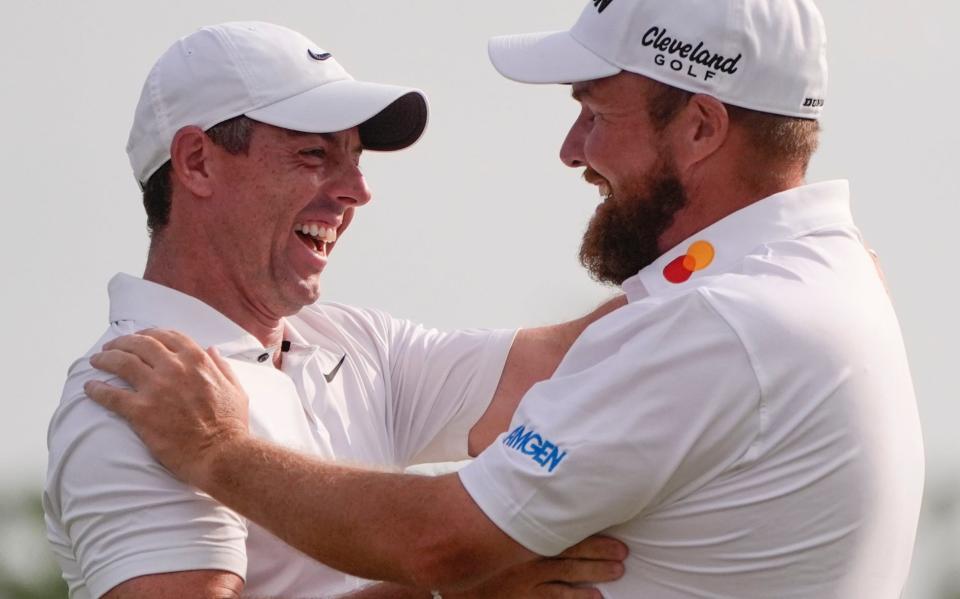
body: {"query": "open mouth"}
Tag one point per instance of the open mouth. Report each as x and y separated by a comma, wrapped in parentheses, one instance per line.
(593, 178)
(316, 236)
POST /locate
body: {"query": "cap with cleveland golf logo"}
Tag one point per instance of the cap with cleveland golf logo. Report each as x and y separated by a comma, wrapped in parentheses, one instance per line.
(766, 55)
(270, 74)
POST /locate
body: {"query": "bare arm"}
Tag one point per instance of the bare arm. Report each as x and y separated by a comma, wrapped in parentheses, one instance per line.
(198, 584)
(534, 357)
(424, 532)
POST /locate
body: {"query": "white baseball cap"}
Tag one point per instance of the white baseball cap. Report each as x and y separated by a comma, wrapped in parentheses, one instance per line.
(766, 55)
(270, 74)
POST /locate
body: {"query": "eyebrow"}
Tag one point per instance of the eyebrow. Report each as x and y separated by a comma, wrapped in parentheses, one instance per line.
(327, 137)
(292, 133)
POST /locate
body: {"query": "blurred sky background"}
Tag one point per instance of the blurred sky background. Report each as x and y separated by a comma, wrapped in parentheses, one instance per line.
(476, 225)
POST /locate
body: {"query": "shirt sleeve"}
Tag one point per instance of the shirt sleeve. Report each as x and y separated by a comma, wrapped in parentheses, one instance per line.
(121, 512)
(649, 420)
(440, 384)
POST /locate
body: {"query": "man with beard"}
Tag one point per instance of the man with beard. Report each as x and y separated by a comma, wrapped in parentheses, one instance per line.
(746, 424)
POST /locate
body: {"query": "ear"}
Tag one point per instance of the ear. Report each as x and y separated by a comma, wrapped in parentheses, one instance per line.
(701, 129)
(190, 154)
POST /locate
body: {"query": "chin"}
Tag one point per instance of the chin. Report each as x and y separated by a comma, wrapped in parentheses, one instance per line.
(310, 292)
(302, 293)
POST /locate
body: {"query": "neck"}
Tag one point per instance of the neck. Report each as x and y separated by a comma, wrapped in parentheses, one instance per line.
(170, 265)
(712, 201)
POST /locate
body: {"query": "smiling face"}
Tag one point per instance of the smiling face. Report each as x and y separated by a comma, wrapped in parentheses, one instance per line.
(278, 211)
(628, 158)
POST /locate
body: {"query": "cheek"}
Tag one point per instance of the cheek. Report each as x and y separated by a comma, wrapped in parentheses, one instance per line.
(600, 149)
(347, 219)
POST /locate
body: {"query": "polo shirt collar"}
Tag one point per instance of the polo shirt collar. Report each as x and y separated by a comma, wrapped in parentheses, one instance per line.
(718, 248)
(151, 305)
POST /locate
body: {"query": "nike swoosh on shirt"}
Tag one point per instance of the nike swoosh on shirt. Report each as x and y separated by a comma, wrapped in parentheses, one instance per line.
(333, 373)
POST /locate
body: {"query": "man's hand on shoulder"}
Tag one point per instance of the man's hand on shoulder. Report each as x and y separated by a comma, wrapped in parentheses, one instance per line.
(185, 402)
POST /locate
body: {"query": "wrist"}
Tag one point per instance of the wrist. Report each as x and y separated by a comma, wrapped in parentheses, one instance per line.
(212, 468)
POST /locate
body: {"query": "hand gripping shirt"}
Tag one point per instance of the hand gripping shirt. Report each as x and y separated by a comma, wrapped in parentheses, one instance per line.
(356, 385)
(746, 424)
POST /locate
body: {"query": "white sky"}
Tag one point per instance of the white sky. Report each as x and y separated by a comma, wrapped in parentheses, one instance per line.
(479, 223)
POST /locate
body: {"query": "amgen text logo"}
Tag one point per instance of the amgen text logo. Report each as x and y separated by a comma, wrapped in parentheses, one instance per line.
(528, 442)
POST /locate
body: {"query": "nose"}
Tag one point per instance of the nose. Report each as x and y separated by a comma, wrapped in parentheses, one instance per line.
(571, 152)
(351, 187)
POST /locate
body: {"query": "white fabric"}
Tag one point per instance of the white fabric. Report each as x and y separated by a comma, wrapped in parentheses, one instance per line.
(751, 432)
(767, 56)
(271, 73)
(403, 394)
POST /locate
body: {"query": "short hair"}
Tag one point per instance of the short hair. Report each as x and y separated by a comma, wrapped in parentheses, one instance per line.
(232, 135)
(775, 139)
(782, 139)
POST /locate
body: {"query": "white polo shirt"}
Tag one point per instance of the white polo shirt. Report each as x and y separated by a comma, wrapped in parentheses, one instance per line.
(746, 424)
(403, 393)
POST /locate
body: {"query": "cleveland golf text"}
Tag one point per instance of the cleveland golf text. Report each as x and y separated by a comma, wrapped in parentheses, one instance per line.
(698, 55)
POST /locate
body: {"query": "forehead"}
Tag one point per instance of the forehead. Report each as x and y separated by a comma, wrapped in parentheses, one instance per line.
(623, 86)
(348, 138)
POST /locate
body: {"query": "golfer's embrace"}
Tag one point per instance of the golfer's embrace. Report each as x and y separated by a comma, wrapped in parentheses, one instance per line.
(746, 424)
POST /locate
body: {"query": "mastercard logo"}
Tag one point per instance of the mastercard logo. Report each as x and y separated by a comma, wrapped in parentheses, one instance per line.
(698, 256)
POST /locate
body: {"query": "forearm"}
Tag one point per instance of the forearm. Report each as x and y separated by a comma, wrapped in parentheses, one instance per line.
(424, 532)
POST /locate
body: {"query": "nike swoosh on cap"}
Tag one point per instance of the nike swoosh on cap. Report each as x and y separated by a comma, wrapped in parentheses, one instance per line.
(318, 55)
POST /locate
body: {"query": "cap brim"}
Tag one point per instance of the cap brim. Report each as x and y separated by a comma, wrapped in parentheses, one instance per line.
(389, 117)
(551, 57)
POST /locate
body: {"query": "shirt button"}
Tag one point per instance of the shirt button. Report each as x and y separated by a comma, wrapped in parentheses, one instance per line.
(263, 358)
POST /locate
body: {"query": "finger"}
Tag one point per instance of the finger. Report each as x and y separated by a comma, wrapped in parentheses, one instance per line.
(552, 590)
(581, 570)
(123, 364)
(223, 365)
(115, 399)
(148, 349)
(597, 547)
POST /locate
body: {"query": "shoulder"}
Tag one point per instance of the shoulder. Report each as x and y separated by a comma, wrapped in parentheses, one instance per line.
(85, 441)
(76, 415)
(808, 293)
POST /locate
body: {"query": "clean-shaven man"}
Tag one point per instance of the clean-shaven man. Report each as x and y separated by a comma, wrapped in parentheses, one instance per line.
(247, 142)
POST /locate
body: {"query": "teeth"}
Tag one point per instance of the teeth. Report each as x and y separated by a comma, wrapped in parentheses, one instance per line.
(317, 231)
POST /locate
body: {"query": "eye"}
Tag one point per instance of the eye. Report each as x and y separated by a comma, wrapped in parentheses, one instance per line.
(317, 153)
